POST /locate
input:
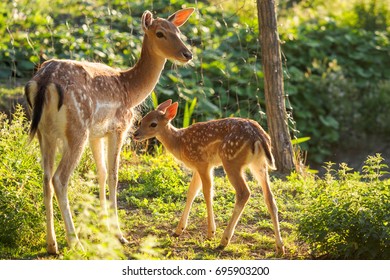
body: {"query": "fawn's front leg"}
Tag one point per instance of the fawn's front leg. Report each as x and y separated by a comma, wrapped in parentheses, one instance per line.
(193, 190)
(207, 187)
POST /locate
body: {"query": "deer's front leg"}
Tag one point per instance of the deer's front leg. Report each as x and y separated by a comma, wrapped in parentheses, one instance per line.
(207, 188)
(114, 145)
(193, 190)
(97, 147)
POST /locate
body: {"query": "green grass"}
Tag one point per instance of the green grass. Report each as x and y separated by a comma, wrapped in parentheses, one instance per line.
(152, 193)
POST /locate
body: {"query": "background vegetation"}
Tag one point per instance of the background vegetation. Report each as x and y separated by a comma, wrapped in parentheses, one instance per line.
(334, 58)
(338, 93)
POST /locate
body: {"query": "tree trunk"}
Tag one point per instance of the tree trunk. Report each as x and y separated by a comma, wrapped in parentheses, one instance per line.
(273, 87)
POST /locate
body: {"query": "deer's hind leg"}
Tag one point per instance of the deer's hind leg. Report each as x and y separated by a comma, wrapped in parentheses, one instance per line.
(72, 151)
(48, 149)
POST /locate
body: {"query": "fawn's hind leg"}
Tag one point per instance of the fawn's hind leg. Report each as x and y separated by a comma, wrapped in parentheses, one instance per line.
(261, 175)
(242, 196)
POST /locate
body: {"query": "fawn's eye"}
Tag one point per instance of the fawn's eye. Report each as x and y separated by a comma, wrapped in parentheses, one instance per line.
(159, 34)
(153, 124)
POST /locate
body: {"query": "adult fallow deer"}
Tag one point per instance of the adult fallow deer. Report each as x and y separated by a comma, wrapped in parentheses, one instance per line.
(233, 142)
(76, 102)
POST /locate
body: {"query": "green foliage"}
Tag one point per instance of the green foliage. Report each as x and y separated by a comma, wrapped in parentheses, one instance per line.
(21, 201)
(188, 111)
(159, 182)
(93, 230)
(348, 218)
(334, 53)
(335, 74)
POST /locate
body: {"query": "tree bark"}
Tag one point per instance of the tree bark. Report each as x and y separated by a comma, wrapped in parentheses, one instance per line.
(274, 87)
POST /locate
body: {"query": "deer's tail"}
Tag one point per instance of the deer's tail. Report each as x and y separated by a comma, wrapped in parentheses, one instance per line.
(36, 94)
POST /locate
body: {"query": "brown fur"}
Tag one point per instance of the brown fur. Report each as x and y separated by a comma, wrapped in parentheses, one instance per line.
(234, 143)
(76, 102)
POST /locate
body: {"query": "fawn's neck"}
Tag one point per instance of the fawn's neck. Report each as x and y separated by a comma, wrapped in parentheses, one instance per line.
(141, 79)
(170, 138)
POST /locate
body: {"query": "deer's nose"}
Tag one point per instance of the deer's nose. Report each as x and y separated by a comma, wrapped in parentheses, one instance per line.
(187, 55)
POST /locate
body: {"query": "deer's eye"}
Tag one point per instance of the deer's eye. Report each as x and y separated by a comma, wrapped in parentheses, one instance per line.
(159, 34)
(153, 124)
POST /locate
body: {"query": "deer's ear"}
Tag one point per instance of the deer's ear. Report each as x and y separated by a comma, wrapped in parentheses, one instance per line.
(171, 111)
(163, 106)
(181, 16)
(147, 19)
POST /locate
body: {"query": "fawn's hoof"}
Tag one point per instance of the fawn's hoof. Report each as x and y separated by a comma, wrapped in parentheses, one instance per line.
(220, 247)
(175, 234)
(210, 235)
(224, 242)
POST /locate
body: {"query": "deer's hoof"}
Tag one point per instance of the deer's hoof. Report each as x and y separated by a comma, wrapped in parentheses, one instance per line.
(280, 251)
(123, 240)
(52, 249)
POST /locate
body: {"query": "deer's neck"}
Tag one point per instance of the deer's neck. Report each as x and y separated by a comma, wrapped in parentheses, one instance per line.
(170, 138)
(143, 77)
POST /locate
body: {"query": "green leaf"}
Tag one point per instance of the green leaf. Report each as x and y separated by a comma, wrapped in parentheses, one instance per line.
(154, 99)
(300, 140)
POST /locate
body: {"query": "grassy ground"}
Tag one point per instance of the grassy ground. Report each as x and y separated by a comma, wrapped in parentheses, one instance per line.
(156, 212)
(152, 193)
(343, 215)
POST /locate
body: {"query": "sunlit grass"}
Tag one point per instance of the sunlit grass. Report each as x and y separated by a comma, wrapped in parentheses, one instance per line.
(152, 194)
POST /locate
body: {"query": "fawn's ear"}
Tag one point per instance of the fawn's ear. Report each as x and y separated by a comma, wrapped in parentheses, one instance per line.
(171, 111)
(181, 16)
(163, 106)
(147, 19)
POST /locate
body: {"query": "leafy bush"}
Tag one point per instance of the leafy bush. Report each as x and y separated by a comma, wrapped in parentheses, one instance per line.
(21, 200)
(335, 73)
(349, 218)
